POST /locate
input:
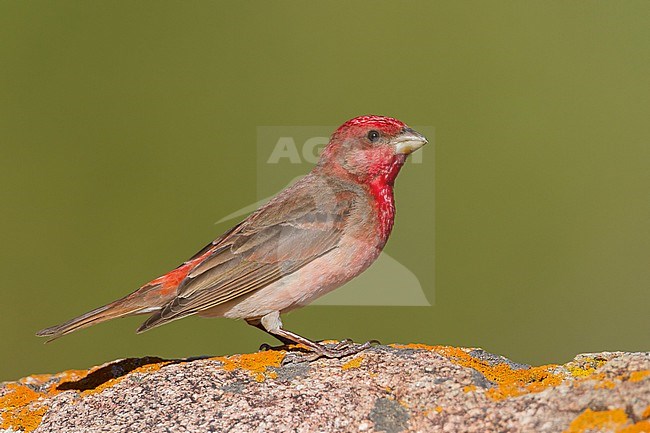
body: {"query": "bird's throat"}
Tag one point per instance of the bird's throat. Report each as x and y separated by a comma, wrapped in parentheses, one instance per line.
(385, 204)
(381, 188)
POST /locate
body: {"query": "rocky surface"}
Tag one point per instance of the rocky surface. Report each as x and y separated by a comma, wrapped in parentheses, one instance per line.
(384, 389)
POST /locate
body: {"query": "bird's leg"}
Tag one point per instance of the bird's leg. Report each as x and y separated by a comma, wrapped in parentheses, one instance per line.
(272, 324)
(258, 325)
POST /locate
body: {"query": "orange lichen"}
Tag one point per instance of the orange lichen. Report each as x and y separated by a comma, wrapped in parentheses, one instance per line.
(605, 384)
(469, 388)
(639, 427)
(580, 372)
(17, 410)
(589, 419)
(256, 364)
(637, 376)
(23, 418)
(417, 346)
(438, 409)
(602, 382)
(612, 420)
(585, 367)
(511, 382)
(353, 363)
(19, 395)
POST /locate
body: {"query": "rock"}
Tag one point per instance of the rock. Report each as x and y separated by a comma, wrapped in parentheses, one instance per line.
(386, 388)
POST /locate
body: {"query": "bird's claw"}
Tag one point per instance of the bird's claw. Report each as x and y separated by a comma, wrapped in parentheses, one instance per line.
(343, 344)
(340, 350)
(264, 347)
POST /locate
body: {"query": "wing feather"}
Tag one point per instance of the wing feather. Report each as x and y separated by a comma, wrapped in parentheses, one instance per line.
(289, 232)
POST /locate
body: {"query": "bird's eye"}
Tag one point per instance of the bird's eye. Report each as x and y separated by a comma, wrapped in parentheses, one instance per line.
(373, 136)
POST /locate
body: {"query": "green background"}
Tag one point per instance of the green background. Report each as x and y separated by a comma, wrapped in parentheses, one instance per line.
(128, 128)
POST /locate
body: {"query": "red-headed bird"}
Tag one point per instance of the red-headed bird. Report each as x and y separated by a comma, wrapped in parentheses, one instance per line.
(311, 238)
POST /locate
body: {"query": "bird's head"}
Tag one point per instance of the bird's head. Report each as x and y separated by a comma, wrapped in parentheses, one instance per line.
(370, 148)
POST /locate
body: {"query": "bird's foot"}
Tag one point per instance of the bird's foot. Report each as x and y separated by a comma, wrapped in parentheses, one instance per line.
(347, 342)
(340, 350)
(289, 347)
(266, 346)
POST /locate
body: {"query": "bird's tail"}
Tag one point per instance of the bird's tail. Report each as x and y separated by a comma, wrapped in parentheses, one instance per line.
(120, 308)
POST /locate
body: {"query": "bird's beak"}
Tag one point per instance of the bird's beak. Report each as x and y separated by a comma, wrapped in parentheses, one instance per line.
(408, 141)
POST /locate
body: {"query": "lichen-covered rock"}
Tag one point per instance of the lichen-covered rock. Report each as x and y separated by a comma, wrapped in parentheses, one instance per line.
(386, 388)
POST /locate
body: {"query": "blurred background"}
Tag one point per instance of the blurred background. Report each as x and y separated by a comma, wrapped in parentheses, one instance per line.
(128, 128)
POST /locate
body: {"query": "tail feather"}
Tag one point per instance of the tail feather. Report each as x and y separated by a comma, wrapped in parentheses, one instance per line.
(98, 315)
(160, 317)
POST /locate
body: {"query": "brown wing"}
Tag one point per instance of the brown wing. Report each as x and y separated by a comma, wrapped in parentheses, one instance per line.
(277, 240)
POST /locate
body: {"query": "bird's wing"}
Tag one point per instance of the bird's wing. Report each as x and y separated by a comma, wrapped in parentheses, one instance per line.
(277, 240)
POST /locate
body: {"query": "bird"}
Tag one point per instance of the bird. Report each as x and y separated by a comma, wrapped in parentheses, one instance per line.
(309, 239)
